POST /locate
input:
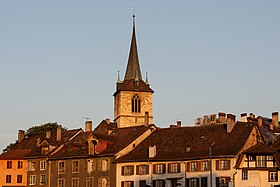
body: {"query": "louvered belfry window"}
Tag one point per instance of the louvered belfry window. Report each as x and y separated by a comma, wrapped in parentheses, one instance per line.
(136, 104)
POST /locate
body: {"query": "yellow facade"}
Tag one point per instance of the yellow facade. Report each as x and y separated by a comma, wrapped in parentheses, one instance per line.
(13, 172)
(123, 114)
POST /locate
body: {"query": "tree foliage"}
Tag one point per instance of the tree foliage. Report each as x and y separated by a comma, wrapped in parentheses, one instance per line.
(41, 129)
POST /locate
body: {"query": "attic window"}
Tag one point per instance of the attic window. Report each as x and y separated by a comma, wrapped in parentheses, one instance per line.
(188, 149)
(136, 105)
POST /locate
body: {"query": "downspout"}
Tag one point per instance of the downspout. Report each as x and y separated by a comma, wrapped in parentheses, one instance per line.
(50, 167)
(185, 173)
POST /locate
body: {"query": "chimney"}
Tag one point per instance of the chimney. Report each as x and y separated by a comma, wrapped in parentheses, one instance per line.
(152, 151)
(275, 119)
(252, 115)
(222, 117)
(21, 135)
(88, 127)
(48, 134)
(259, 121)
(243, 117)
(107, 120)
(146, 119)
(179, 123)
(230, 122)
(205, 120)
(58, 133)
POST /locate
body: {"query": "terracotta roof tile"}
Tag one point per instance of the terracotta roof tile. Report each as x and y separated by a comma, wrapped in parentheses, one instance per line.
(186, 143)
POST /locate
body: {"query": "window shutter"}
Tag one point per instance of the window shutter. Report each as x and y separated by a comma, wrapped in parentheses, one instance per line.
(187, 182)
(197, 181)
(164, 168)
(122, 170)
(122, 184)
(217, 164)
(132, 183)
(154, 182)
(99, 182)
(132, 170)
(228, 164)
(217, 181)
(148, 170)
(163, 182)
(169, 168)
(108, 181)
(99, 164)
(154, 168)
(137, 170)
(199, 166)
(179, 167)
(108, 164)
(188, 166)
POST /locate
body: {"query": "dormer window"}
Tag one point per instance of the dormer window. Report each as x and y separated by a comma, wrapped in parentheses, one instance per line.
(136, 104)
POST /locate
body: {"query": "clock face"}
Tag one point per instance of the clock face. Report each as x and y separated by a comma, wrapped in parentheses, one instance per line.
(104, 182)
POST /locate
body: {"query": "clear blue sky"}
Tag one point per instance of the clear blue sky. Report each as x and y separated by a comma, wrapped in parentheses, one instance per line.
(59, 59)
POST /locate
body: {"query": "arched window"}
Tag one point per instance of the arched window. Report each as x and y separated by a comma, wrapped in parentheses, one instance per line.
(136, 104)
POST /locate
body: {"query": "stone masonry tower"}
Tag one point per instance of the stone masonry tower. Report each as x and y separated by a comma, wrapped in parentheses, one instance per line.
(133, 96)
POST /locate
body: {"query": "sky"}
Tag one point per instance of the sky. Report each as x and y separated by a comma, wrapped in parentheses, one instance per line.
(59, 59)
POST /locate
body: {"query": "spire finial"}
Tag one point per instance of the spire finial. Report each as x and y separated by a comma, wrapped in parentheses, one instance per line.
(133, 15)
(118, 76)
(147, 82)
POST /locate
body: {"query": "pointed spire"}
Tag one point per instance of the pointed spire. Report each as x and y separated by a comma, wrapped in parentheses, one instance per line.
(133, 64)
(147, 82)
(119, 80)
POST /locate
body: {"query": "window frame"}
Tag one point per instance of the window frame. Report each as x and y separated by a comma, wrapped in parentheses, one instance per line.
(32, 180)
(260, 161)
(9, 164)
(20, 164)
(19, 179)
(62, 180)
(41, 179)
(44, 164)
(75, 182)
(245, 175)
(136, 104)
(89, 181)
(75, 166)
(104, 165)
(8, 179)
(271, 177)
(61, 167)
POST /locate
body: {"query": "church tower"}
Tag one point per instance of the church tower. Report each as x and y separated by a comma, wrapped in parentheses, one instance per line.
(133, 96)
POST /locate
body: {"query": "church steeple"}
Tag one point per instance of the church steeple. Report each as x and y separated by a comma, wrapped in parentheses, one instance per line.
(133, 66)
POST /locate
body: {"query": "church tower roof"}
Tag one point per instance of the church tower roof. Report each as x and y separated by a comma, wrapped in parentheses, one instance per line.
(133, 70)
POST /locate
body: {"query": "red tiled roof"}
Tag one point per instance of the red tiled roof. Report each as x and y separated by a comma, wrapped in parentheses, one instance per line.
(186, 143)
(116, 141)
(260, 148)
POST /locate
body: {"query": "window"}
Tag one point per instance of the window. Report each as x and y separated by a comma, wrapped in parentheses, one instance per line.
(104, 164)
(225, 165)
(205, 165)
(174, 168)
(75, 166)
(104, 182)
(136, 104)
(127, 170)
(158, 183)
(32, 180)
(142, 169)
(193, 166)
(43, 165)
(244, 175)
(61, 167)
(273, 176)
(20, 164)
(31, 166)
(43, 179)
(89, 182)
(75, 182)
(204, 182)
(194, 182)
(9, 164)
(159, 168)
(61, 182)
(19, 178)
(8, 178)
(222, 181)
(260, 161)
(142, 183)
(90, 165)
(127, 184)
(269, 157)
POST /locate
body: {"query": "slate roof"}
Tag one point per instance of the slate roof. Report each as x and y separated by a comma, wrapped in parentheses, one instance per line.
(185, 143)
(129, 85)
(116, 141)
